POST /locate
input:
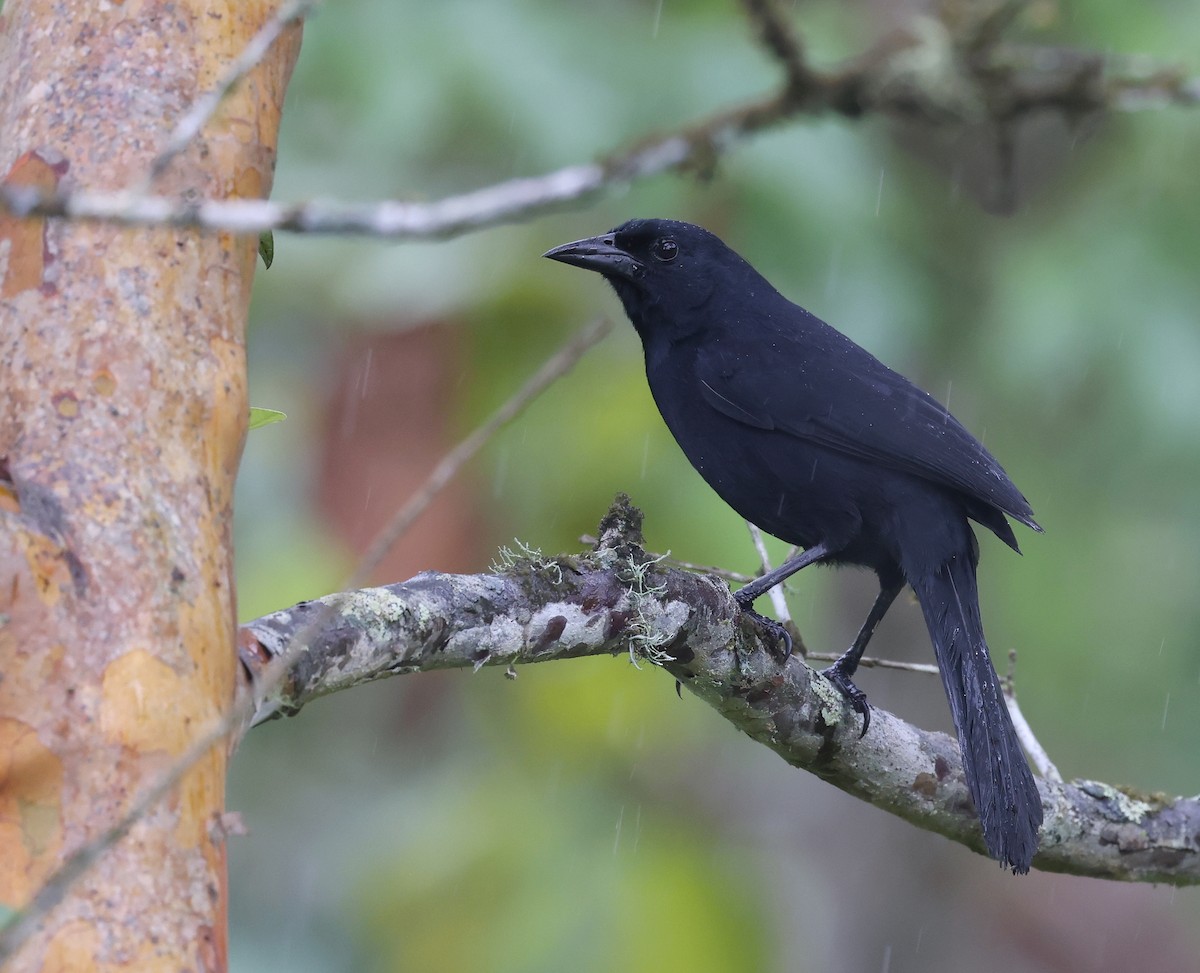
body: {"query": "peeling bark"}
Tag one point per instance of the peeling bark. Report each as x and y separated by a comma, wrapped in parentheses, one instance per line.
(122, 418)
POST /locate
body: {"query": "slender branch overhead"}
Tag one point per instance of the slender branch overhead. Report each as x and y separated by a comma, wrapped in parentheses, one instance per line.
(934, 72)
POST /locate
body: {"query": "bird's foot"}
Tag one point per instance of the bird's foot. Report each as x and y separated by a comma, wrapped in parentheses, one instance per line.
(837, 675)
(778, 636)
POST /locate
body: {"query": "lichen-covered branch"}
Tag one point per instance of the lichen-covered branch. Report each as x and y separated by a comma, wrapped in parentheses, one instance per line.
(618, 599)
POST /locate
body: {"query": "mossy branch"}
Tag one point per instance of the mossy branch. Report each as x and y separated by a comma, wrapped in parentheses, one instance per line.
(617, 599)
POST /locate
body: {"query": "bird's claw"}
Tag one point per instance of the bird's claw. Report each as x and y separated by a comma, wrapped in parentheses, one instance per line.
(837, 675)
(780, 638)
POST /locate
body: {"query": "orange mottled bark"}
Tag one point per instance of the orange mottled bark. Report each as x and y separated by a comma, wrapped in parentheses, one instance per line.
(122, 417)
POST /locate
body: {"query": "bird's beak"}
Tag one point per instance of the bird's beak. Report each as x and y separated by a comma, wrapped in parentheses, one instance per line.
(598, 253)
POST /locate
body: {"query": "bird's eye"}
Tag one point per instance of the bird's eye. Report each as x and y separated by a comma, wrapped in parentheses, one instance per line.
(665, 249)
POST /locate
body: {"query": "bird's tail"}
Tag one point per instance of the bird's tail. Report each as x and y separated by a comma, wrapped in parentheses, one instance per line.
(1001, 784)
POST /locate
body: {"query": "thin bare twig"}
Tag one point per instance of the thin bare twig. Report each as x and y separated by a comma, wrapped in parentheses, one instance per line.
(1037, 753)
(554, 368)
(871, 663)
(778, 600)
(204, 107)
(267, 678)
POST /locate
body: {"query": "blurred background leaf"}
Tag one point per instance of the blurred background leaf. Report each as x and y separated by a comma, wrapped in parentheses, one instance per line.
(581, 817)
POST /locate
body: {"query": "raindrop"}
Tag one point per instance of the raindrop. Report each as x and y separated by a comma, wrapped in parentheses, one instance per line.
(637, 827)
(879, 194)
(657, 20)
(1166, 704)
(887, 958)
(366, 372)
(617, 836)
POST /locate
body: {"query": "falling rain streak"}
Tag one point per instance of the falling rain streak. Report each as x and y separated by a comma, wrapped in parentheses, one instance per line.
(366, 372)
(637, 828)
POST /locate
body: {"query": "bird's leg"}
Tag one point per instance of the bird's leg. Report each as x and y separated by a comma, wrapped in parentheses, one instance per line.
(847, 663)
(745, 596)
(756, 587)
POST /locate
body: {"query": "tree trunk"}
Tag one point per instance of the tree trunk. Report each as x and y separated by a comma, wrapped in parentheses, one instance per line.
(122, 416)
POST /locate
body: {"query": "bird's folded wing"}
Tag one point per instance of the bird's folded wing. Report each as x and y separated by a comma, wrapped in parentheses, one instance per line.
(871, 412)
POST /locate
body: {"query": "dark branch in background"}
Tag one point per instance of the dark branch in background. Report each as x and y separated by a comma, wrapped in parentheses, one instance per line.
(617, 599)
(953, 71)
(777, 37)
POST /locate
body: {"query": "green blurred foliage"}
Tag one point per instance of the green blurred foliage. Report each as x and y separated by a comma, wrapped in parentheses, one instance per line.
(581, 818)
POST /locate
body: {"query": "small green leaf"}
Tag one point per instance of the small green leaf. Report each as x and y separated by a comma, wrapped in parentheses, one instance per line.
(7, 914)
(266, 250)
(264, 417)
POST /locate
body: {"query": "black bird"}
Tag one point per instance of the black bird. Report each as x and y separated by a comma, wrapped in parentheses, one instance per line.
(816, 441)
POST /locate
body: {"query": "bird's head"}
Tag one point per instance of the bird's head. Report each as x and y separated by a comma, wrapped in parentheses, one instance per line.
(657, 267)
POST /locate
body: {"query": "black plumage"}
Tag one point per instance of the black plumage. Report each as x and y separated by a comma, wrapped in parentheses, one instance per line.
(816, 441)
